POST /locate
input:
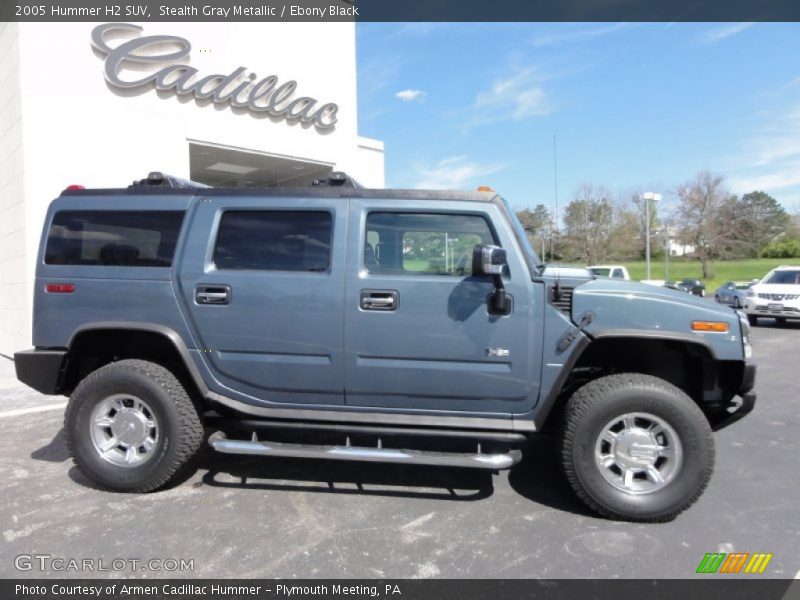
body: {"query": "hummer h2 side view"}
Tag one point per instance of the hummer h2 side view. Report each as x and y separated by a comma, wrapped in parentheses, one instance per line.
(337, 322)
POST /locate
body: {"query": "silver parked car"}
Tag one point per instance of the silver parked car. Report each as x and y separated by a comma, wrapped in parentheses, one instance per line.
(732, 292)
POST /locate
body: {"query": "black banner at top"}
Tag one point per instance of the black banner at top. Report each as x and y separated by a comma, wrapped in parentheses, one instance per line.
(400, 10)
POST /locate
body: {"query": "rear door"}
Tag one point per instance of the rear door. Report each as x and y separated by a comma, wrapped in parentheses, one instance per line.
(417, 331)
(262, 283)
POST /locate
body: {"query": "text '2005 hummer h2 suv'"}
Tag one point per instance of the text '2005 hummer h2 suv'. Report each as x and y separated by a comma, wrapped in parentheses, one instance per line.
(337, 322)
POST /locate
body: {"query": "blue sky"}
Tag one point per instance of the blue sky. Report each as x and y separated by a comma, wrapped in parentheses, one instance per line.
(633, 106)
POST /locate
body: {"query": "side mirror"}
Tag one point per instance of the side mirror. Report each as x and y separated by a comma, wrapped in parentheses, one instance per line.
(488, 260)
(491, 260)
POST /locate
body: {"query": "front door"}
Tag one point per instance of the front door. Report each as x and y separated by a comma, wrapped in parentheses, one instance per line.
(417, 331)
(262, 283)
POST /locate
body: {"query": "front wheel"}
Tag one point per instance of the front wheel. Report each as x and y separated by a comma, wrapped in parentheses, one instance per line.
(131, 426)
(752, 319)
(636, 448)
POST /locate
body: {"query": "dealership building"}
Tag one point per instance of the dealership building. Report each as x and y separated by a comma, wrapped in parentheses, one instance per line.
(226, 104)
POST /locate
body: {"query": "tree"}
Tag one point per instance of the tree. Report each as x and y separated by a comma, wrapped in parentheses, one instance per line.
(537, 224)
(698, 211)
(588, 223)
(626, 240)
(759, 220)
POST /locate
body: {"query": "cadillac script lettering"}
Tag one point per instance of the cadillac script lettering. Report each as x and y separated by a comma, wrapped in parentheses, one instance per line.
(239, 89)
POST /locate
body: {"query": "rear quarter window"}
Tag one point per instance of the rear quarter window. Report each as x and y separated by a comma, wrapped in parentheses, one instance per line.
(113, 238)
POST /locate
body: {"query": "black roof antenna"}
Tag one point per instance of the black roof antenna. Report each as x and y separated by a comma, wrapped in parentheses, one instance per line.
(557, 286)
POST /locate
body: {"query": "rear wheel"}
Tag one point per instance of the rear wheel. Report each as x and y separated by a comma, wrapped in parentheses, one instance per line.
(736, 302)
(781, 321)
(717, 300)
(636, 448)
(131, 426)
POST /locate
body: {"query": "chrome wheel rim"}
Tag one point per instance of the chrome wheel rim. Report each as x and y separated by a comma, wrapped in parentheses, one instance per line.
(124, 430)
(638, 453)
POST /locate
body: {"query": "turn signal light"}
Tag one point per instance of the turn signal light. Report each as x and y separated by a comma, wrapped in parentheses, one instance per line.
(713, 326)
(59, 288)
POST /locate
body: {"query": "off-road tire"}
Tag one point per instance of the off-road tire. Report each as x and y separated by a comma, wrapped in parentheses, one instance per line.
(601, 400)
(180, 428)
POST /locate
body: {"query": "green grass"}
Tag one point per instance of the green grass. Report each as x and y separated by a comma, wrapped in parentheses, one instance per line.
(731, 270)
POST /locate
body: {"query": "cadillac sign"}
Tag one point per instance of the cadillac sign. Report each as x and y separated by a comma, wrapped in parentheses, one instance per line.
(238, 90)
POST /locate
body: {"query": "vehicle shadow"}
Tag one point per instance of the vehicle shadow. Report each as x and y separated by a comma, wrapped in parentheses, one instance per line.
(769, 323)
(539, 477)
(54, 451)
(342, 477)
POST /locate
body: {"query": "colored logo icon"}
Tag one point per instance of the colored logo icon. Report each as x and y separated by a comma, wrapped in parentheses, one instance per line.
(734, 562)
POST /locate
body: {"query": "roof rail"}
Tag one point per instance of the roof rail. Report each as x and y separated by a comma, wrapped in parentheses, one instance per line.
(158, 179)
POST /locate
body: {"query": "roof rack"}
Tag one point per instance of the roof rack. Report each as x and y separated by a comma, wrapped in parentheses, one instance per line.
(162, 180)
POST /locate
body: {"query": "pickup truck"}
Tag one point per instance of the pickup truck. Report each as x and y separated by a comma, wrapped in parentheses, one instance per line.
(395, 326)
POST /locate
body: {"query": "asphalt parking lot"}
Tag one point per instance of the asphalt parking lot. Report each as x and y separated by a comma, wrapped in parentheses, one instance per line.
(248, 517)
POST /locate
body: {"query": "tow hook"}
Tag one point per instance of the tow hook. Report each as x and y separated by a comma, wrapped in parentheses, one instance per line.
(565, 341)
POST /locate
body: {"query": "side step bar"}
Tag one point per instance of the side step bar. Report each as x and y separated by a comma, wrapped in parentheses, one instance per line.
(478, 460)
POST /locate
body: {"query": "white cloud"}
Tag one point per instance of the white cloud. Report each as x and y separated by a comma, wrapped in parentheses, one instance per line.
(718, 34)
(455, 172)
(572, 36)
(770, 158)
(410, 95)
(515, 97)
(786, 176)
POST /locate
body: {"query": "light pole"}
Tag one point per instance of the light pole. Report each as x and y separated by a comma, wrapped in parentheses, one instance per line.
(666, 251)
(647, 197)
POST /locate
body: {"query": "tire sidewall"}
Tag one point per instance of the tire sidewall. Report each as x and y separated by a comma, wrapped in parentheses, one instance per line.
(106, 382)
(691, 428)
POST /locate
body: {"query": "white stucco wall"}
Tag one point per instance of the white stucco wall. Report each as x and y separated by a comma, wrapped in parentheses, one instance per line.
(60, 118)
(14, 306)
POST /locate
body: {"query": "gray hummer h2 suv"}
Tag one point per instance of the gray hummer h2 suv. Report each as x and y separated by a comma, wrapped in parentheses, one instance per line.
(390, 326)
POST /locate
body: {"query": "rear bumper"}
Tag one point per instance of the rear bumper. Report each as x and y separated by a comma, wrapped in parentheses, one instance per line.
(40, 369)
(737, 409)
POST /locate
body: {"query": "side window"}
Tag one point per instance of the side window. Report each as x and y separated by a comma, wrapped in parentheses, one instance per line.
(618, 274)
(274, 240)
(113, 238)
(423, 244)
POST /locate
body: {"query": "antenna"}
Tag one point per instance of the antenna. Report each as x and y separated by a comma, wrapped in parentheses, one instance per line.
(554, 223)
(557, 286)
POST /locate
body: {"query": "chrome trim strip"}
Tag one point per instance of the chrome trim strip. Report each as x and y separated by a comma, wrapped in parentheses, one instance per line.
(375, 417)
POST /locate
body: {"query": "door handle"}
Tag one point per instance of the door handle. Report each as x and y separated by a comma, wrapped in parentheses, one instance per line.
(212, 294)
(378, 300)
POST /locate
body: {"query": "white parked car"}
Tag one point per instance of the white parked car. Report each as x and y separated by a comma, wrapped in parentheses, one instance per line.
(777, 295)
(613, 271)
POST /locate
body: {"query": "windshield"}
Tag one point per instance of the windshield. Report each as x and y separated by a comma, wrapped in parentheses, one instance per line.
(601, 271)
(785, 277)
(519, 230)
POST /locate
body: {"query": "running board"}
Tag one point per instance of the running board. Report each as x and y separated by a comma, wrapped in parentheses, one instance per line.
(478, 460)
